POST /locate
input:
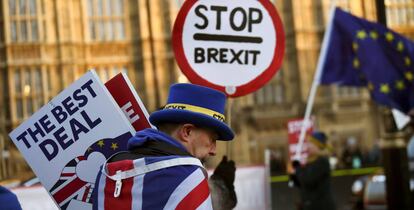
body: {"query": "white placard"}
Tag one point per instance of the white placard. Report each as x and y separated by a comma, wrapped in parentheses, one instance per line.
(249, 21)
(233, 47)
(68, 139)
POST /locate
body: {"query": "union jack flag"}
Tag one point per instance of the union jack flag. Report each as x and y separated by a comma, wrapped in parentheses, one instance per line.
(169, 182)
(70, 186)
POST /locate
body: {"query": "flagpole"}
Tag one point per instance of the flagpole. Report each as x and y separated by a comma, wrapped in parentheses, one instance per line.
(316, 81)
(229, 145)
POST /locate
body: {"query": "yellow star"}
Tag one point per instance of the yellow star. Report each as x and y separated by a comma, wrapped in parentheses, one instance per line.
(389, 36)
(356, 63)
(89, 149)
(407, 61)
(361, 34)
(399, 85)
(101, 143)
(371, 86)
(385, 88)
(114, 146)
(373, 34)
(400, 46)
(409, 76)
(355, 46)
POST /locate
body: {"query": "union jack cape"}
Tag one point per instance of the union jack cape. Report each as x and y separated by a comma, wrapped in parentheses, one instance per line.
(152, 183)
(70, 187)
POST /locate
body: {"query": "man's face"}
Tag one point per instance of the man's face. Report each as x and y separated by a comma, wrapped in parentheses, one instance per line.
(200, 141)
(313, 149)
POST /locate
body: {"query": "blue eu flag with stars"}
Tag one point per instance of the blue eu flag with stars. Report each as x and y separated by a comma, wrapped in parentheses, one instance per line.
(362, 53)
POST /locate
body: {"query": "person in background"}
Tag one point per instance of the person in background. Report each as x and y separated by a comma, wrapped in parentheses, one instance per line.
(163, 168)
(352, 155)
(314, 178)
(277, 162)
(8, 200)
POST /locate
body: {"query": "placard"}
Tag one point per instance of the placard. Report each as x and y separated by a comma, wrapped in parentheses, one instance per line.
(234, 47)
(129, 101)
(68, 139)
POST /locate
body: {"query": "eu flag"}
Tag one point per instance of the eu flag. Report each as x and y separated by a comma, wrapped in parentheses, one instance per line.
(362, 53)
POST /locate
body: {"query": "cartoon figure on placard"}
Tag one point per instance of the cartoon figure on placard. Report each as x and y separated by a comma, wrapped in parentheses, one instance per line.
(74, 188)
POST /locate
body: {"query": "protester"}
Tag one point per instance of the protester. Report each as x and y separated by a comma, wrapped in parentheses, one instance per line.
(352, 156)
(313, 179)
(163, 169)
(8, 200)
(277, 162)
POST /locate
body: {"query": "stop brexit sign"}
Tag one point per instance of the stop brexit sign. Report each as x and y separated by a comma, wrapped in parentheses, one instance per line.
(232, 46)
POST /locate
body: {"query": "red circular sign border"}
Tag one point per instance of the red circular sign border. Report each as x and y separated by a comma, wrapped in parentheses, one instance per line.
(242, 90)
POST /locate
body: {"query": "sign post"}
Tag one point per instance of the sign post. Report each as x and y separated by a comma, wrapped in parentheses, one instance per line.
(234, 48)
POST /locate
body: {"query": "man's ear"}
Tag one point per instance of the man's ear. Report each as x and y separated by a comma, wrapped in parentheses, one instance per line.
(185, 132)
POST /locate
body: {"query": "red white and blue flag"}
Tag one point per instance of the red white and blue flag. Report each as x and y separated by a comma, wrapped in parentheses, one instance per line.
(70, 186)
(150, 183)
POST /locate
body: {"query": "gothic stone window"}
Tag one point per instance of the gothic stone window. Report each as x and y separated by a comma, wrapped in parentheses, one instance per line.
(106, 20)
(347, 92)
(30, 84)
(399, 13)
(24, 26)
(273, 92)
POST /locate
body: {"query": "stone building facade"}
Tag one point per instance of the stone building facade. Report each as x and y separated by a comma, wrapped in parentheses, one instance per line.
(47, 44)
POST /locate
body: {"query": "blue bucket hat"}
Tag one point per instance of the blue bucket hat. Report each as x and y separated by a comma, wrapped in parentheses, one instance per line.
(319, 139)
(198, 105)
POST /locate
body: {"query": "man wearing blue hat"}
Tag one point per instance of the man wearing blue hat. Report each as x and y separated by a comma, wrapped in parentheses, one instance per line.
(163, 168)
(314, 178)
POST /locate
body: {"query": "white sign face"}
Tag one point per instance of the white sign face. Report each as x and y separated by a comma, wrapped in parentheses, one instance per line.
(34, 198)
(68, 139)
(225, 40)
(228, 44)
(294, 128)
